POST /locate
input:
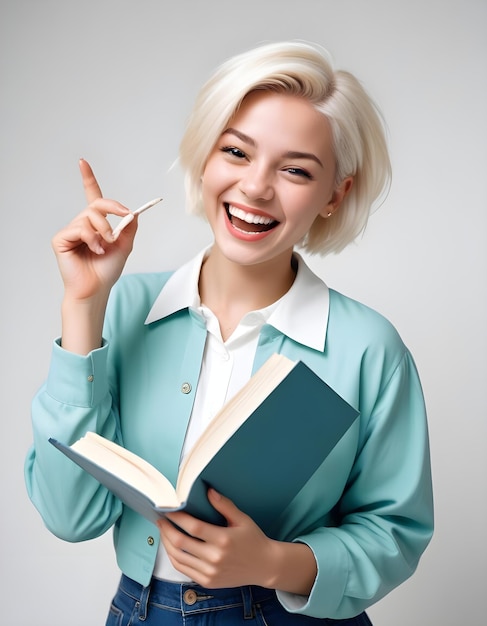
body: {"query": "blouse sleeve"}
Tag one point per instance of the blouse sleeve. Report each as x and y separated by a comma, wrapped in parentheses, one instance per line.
(385, 513)
(74, 399)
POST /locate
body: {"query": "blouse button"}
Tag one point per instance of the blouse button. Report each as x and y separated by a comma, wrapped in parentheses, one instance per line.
(150, 540)
(186, 388)
(91, 378)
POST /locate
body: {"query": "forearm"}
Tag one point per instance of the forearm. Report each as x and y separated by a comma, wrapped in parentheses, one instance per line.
(82, 323)
(291, 568)
(72, 504)
(384, 519)
(75, 399)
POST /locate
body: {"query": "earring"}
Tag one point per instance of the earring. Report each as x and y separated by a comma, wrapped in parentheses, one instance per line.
(329, 214)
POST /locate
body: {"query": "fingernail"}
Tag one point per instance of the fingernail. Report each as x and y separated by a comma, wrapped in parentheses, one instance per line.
(215, 494)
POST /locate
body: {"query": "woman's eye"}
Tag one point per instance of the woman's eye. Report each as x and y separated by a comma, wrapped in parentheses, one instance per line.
(297, 171)
(236, 152)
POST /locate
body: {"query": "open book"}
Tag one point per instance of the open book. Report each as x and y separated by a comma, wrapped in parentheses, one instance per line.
(259, 450)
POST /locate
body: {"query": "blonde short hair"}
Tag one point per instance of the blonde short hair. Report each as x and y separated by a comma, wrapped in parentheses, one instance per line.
(304, 70)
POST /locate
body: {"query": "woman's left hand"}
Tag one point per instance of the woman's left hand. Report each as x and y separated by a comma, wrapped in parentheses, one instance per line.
(218, 556)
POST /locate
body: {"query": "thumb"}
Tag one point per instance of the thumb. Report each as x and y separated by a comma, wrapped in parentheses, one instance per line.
(225, 507)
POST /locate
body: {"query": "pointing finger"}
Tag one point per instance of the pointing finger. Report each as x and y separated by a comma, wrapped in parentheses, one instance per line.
(90, 184)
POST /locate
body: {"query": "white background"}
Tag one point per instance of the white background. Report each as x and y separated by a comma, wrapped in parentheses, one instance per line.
(113, 81)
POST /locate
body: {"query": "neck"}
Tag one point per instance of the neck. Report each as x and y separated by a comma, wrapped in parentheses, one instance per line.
(231, 290)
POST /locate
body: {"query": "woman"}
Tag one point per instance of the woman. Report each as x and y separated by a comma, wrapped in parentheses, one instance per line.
(280, 151)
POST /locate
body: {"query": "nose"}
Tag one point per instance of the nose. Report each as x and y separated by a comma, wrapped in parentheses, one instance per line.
(257, 182)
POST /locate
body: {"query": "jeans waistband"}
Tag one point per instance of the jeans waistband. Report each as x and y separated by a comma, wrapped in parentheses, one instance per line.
(191, 598)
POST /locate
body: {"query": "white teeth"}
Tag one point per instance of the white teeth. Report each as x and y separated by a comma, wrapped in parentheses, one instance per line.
(250, 218)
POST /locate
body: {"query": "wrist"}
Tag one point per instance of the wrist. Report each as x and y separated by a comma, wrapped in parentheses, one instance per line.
(82, 323)
(290, 567)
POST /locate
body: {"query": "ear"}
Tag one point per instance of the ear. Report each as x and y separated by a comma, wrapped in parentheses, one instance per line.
(339, 195)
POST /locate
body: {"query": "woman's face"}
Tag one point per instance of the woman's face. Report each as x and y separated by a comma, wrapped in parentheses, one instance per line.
(269, 176)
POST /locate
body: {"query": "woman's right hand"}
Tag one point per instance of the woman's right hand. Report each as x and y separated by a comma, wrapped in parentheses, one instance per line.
(89, 259)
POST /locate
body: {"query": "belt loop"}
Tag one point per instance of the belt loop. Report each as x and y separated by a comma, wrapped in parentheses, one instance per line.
(143, 603)
(247, 602)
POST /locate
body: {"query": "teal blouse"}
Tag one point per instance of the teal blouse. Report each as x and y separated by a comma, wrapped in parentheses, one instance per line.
(367, 512)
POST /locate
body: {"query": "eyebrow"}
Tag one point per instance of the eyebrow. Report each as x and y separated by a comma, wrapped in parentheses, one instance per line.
(292, 154)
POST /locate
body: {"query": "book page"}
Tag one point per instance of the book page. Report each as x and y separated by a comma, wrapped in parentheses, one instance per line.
(129, 467)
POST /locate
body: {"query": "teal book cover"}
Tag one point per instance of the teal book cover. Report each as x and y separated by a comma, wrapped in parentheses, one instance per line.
(264, 463)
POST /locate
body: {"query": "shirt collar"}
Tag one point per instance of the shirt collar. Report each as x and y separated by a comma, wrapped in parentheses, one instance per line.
(292, 316)
(302, 314)
(180, 291)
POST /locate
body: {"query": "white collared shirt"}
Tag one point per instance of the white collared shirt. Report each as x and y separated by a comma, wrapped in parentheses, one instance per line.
(227, 365)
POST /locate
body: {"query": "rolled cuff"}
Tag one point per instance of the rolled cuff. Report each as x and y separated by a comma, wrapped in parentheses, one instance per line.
(76, 379)
(330, 583)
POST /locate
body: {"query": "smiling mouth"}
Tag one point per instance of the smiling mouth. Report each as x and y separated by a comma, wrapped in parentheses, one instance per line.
(247, 222)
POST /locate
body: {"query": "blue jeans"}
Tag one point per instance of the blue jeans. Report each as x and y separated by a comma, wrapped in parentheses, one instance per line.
(173, 604)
